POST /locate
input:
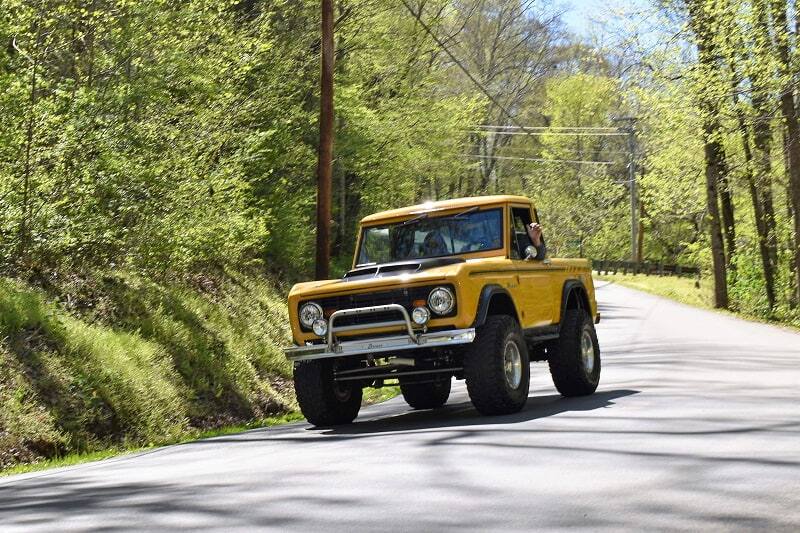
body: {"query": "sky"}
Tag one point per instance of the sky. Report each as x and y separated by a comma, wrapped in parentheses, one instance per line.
(579, 14)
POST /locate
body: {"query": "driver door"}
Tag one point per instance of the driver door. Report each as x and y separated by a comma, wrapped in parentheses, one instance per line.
(535, 282)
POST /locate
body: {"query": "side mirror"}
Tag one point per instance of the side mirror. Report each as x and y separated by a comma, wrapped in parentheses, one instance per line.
(530, 253)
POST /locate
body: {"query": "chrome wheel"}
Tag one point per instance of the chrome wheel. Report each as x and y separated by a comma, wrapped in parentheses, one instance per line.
(587, 350)
(341, 392)
(512, 364)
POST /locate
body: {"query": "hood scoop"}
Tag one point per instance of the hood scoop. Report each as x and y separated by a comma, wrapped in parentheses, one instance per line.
(399, 267)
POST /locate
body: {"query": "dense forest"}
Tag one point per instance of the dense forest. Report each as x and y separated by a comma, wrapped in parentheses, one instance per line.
(158, 175)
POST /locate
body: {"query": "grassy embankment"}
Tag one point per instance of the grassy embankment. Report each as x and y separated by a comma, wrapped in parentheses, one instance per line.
(682, 289)
(118, 363)
(122, 362)
(693, 292)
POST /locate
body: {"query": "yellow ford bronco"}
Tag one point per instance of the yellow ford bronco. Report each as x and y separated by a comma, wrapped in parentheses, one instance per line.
(441, 290)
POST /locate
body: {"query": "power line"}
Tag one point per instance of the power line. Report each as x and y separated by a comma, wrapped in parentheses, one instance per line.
(537, 160)
(580, 134)
(549, 128)
(565, 151)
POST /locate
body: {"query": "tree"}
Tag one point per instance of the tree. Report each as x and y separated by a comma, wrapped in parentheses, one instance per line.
(511, 47)
(791, 123)
(702, 23)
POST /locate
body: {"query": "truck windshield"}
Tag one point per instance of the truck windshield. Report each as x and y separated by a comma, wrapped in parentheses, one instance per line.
(421, 237)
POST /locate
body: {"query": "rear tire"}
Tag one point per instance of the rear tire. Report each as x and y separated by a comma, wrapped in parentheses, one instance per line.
(323, 401)
(575, 358)
(425, 395)
(496, 367)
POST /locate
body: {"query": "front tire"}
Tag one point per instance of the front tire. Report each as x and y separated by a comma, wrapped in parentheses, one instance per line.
(575, 359)
(425, 395)
(496, 367)
(323, 401)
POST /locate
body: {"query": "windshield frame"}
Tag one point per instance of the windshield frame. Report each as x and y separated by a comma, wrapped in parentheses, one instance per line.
(449, 213)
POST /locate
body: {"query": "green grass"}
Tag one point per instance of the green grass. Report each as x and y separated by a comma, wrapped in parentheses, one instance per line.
(113, 362)
(373, 396)
(80, 458)
(122, 362)
(684, 290)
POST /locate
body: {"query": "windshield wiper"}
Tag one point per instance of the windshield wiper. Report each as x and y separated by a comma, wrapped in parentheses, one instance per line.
(467, 212)
(425, 215)
(415, 219)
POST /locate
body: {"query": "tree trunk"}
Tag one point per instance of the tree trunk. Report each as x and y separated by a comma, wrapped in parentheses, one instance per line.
(728, 224)
(789, 112)
(325, 151)
(714, 153)
(640, 233)
(761, 228)
(793, 152)
(793, 289)
(714, 160)
(762, 140)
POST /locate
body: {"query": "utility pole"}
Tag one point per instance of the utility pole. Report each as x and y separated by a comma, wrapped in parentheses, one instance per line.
(325, 154)
(634, 195)
(630, 129)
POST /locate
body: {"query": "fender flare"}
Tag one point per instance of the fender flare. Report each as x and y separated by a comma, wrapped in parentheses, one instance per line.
(570, 286)
(487, 293)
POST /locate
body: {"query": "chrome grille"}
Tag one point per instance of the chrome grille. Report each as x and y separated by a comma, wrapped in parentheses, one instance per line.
(404, 297)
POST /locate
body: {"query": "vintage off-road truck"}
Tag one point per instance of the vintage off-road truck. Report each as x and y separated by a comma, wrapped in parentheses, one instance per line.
(441, 290)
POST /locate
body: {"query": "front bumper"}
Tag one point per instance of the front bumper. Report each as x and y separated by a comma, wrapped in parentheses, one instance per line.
(393, 343)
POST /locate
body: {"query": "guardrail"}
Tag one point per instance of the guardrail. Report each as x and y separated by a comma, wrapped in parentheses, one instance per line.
(645, 267)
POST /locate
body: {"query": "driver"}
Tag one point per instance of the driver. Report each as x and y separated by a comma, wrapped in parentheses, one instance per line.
(434, 244)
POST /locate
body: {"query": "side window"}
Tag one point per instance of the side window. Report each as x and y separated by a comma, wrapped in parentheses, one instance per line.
(513, 239)
(520, 219)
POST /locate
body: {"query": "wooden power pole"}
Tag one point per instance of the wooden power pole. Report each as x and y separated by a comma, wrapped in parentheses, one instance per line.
(630, 130)
(325, 154)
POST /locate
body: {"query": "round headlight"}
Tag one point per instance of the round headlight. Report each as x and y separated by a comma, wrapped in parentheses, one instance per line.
(309, 312)
(420, 315)
(441, 300)
(320, 327)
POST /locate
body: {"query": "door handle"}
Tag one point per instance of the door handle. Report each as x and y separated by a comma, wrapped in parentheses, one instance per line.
(546, 262)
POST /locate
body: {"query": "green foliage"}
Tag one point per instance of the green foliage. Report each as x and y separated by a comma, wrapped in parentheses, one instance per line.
(672, 189)
(74, 382)
(584, 206)
(171, 138)
(176, 359)
(79, 458)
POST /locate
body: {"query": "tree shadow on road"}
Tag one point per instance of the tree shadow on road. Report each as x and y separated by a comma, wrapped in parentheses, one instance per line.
(459, 413)
(463, 414)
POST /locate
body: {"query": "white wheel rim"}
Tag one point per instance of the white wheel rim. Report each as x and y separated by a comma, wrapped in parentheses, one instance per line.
(587, 351)
(512, 364)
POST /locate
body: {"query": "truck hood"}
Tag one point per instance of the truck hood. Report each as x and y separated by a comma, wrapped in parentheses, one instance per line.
(398, 268)
(383, 275)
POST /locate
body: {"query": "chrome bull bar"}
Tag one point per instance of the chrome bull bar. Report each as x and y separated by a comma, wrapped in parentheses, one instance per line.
(366, 311)
(407, 341)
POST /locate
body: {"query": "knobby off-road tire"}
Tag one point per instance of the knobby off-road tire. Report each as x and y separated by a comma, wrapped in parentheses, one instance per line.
(323, 401)
(496, 367)
(575, 358)
(425, 395)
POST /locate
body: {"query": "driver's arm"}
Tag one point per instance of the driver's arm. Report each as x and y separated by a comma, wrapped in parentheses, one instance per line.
(541, 250)
(535, 234)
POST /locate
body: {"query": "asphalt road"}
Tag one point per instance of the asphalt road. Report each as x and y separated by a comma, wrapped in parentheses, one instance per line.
(695, 425)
